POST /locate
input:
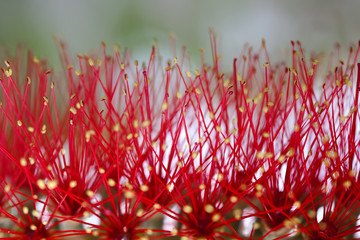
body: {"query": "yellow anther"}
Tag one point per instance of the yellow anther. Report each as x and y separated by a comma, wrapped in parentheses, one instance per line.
(31, 160)
(281, 158)
(266, 135)
(25, 210)
(146, 123)
(129, 136)
(156, 206)
(144, 188)
(178, 94)
(234, 199)
(8, 72)
(129, 194)
(220, 177)
(297, 204)
(237, 213)
(116, 127)
(140, 212)
(88, 135)
(72, 184)
(291, 152)
(90, 193)
(111, 182)
(216, 217)
(331, 154)
(73, 110)
(259, 187)
(31, 129)
(35, 213)
(347, 184)
(187, 209)
(136, 123)
(209, 208)
(41, 184)
(174, 231)
(23, 162)
(52, 184)
(260, 155)
(43, 129)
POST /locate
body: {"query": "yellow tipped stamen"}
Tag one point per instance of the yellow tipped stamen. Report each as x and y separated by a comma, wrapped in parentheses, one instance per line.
(234, 199)
(43, 129)
(237, 213)
(209, 208)
(23, 162)
(35, 213)
(157, 206)
(73, 110)
(31, 129)
(52, 184)
(144, 188)
(90, 193)
(8, 72)
(146, 123)
(347, 184)
(31, 160)
(33, 227)
(187, 209)
(25, 210)
(111, 182)
(290, 153)
(129, 194)
(174, 231)
(88, 135)
(41, 184)
(72, 184)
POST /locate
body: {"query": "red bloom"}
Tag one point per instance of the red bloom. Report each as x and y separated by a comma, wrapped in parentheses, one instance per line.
(155, 151)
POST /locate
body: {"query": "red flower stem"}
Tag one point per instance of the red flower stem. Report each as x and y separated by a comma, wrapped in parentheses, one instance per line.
(353, 126)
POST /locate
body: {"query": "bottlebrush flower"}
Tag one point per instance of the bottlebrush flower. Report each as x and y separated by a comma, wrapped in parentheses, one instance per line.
(23, 115)
(156, 151)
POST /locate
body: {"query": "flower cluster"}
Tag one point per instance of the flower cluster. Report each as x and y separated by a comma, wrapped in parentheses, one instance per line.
(114, 149)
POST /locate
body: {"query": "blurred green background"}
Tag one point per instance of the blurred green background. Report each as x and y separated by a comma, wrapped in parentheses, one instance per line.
(83, 24)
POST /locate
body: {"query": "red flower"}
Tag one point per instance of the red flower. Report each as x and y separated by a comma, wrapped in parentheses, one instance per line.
(153, 151)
